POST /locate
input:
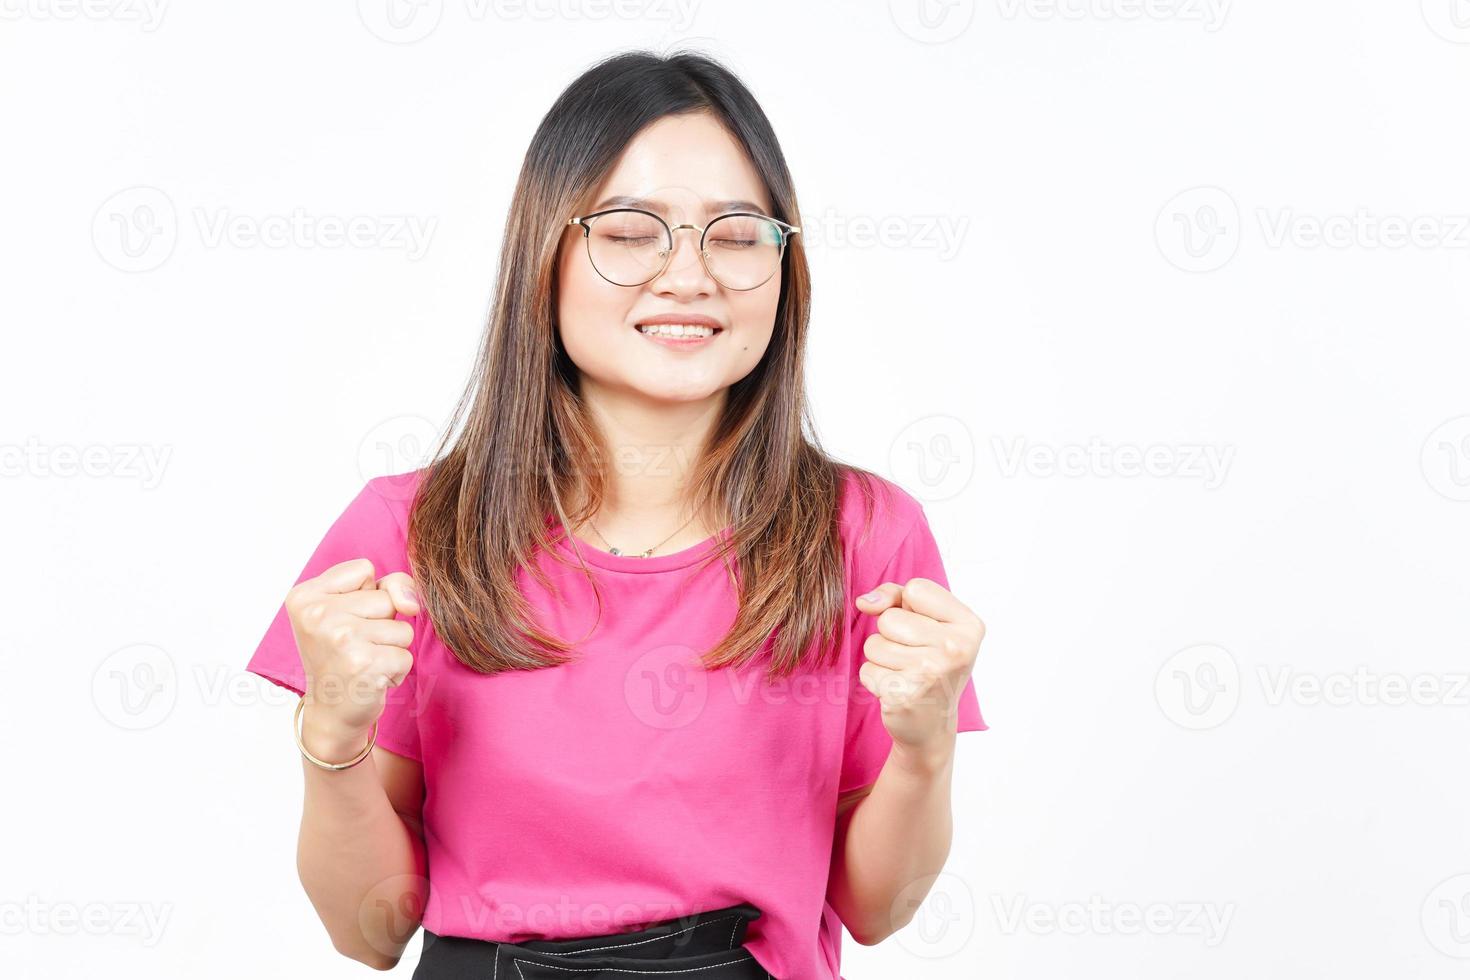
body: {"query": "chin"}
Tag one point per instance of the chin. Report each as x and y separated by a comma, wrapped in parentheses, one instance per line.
(677, 393)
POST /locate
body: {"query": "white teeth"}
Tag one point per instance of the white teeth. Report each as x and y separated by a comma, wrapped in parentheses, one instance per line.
(676, 330)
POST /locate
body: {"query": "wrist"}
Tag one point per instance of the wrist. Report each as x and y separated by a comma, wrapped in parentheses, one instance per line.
(327, 738)
(928, 761)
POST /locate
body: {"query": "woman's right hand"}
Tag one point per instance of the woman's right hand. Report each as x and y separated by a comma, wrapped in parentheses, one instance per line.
(352, 649)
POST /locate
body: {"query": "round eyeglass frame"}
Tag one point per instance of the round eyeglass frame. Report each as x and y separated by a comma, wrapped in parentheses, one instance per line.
(787, 230)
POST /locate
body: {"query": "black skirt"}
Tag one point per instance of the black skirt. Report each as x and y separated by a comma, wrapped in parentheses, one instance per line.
(710, 944)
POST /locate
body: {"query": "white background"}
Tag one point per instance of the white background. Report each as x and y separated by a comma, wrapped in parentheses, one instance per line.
(1227, 693)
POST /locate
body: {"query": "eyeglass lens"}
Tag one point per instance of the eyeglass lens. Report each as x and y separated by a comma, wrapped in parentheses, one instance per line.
(629, 248)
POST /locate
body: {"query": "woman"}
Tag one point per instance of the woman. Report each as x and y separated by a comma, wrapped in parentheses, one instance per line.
(622, 710)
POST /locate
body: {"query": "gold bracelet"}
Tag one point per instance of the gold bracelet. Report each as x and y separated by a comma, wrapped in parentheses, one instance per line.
(296, 727)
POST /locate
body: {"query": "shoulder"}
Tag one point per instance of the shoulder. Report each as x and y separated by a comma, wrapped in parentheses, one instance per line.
(876, 516)
(375, 520)
(389, 497)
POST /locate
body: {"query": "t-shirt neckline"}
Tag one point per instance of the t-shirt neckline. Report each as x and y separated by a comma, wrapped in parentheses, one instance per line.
(632, 563)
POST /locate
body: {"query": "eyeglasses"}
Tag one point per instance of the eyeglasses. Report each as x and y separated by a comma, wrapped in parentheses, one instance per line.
(629, 246)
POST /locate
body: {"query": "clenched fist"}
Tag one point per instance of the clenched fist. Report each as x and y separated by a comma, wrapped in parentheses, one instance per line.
(919, 661)
(352, 648)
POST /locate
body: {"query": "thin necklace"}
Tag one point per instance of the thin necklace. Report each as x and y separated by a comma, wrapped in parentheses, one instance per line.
(642, 554)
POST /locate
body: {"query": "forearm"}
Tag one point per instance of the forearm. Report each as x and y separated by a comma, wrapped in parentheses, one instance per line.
(896, 841)
(362, 866)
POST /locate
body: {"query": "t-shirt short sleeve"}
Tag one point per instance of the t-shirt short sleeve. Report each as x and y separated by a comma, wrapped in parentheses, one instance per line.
(369, 529)
(867, 741)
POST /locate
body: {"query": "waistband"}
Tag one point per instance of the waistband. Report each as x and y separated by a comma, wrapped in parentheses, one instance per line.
(707, 943)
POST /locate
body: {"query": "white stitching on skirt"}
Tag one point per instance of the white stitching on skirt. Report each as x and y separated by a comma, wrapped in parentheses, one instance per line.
(495, 973)
(609, 969)
(650, 939)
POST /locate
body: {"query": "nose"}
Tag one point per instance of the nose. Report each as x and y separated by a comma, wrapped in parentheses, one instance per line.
(685, 274)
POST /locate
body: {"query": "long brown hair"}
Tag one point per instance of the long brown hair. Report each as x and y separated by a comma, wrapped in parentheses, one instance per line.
(486, 503)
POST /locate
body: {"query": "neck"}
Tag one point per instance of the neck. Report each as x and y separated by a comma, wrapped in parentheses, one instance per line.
(652, 448)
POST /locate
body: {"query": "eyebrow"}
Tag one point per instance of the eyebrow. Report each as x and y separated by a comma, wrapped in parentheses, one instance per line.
(624, 201)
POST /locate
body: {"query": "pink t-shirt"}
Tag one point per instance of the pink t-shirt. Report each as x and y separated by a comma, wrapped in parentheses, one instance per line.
(632, 785)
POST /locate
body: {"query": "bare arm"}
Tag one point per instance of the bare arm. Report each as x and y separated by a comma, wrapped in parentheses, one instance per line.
(360, 853)
(893, 839)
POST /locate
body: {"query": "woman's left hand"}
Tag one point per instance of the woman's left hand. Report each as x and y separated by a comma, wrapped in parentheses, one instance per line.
(919, 661)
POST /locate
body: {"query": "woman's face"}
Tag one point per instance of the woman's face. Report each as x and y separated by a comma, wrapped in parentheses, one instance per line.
(683, 166)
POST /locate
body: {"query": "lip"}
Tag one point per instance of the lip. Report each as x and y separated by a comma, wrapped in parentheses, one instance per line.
(681, 343)
(696, 319)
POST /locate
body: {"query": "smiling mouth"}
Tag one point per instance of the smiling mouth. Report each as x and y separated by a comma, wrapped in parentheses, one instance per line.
(677, 331)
